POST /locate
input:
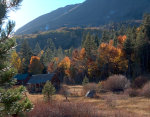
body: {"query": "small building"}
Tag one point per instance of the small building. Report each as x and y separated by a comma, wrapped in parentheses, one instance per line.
(22, 79)
(37, 82)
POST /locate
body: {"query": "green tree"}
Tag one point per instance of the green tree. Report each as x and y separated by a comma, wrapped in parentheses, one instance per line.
(90, 46)
(129, 49)
(15, 102)
(85, 81)
(50, 44)
(37, 49)
(48, 90)
(12, 101)
(26, 54)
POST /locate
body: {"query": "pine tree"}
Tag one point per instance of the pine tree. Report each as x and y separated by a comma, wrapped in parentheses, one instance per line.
(85, 81)
(48, 90)
(37, 49)
(115, 40)
(90, 46)
(105, 37)
(50, 44)
(26, 54)
(12, 100)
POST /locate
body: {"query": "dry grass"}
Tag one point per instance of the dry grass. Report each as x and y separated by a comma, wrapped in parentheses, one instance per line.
(107, 105)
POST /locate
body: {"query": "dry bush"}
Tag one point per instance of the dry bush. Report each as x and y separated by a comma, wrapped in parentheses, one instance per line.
(66, 109)
(146, 90)
(89, 86)
(116, 83)
(132, 92)
(139, 82)
(63, 109)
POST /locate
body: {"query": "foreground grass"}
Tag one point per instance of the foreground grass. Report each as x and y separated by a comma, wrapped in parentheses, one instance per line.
(105, 105)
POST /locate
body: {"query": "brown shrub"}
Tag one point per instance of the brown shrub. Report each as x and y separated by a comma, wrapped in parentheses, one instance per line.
(146, 90)
(116, 83)
(66, 109)
(89, 86)
(132, 92)
(139, 82)
(63, 109)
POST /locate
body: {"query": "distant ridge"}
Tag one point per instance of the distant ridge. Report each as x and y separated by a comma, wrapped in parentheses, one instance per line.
(87, 14)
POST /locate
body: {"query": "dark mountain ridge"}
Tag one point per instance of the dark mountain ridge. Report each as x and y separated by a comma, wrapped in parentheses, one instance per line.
(88, 14)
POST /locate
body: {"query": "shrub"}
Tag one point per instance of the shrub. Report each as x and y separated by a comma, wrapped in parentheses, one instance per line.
(132, 92)
(146, 90)
(116, 83)
(139, 82)
(89, 86)
(64, 109)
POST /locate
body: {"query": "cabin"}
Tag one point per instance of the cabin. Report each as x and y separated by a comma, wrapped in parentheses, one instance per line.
(37, 82)
(22, 79)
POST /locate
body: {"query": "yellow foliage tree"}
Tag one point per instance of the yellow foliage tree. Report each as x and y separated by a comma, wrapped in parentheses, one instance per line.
(66, 63)
(16, 61)
(113, 56)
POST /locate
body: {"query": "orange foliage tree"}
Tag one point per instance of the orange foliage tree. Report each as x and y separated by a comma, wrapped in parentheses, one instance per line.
(35, 66)
(65, 64)
(112, 57)
(53, 65)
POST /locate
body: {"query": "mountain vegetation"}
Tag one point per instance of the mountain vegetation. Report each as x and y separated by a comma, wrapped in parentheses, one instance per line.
(90, 13)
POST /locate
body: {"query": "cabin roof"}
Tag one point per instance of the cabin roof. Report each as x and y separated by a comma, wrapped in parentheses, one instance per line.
(41, 78)
(21, 76)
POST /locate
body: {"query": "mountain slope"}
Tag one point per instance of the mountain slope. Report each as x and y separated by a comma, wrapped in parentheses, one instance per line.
(89, 13)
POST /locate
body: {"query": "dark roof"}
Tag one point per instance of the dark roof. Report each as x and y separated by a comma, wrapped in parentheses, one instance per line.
(41, 78)
(21, 76)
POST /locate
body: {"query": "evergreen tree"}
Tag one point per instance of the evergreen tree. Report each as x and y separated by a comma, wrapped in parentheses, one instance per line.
(129, 49)
(97, 41)
(12, 100)
(26, 54)
(48, 90)
(105, 37)
(37, 49)
(85, 81)
(115, 40)
(60, 53)
(90, 46)
(50, 44)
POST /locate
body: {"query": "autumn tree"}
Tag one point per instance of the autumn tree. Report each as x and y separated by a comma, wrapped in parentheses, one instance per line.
(35, 66)
(66, 63)
(16, 61)
(112, 58)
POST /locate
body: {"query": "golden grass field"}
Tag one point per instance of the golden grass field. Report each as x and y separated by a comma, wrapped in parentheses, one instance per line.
(106, 102)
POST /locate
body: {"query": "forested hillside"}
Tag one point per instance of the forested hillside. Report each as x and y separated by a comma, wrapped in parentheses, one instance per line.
(125, 50)
(88, 14)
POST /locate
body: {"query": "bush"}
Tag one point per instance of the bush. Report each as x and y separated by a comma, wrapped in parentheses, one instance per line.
(132, 92)
(116, 83)
(89, 86)
(146, 90)
(139, 82)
